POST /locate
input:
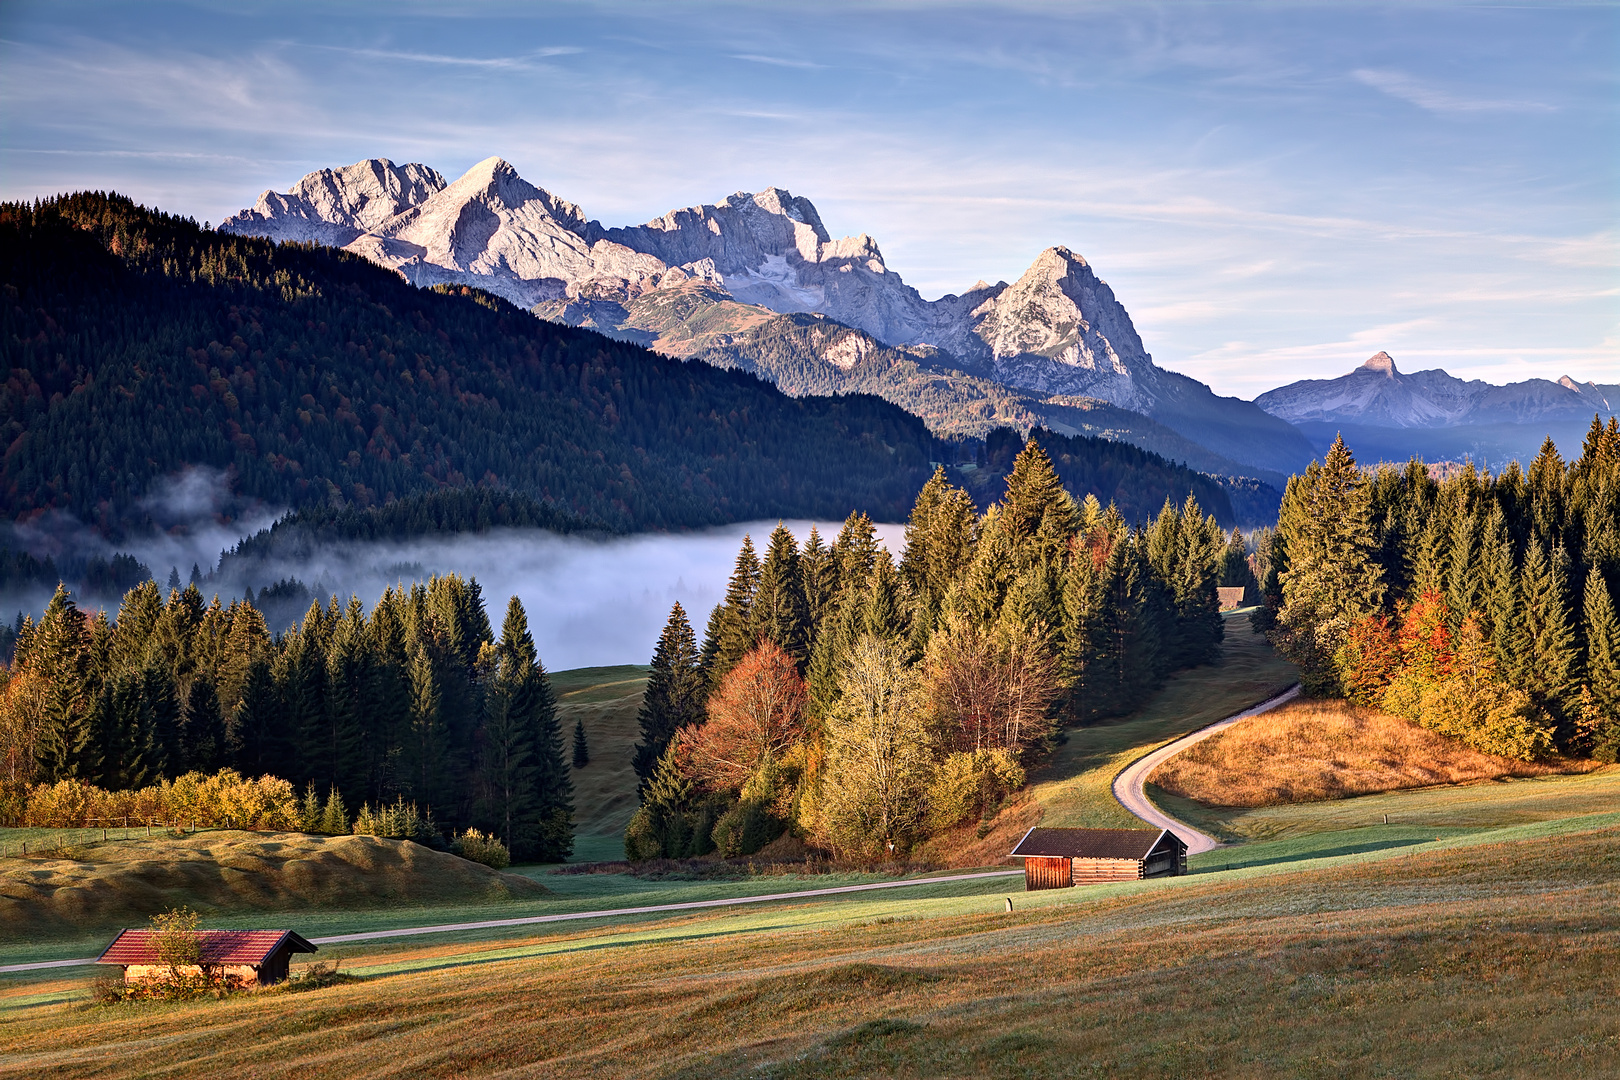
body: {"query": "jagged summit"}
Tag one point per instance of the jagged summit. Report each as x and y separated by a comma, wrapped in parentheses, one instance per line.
(1057, 330)
(1382, 363)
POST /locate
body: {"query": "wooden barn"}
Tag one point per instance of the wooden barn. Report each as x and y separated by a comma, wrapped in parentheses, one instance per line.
(1062, 858)
(240, 959)
(1231, 598)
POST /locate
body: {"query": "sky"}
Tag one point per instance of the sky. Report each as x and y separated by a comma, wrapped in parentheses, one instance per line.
(1274, 191)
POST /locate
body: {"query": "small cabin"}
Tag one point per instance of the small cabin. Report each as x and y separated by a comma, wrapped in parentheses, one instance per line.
(240, 959)
(1063, 858)
(1231, 598)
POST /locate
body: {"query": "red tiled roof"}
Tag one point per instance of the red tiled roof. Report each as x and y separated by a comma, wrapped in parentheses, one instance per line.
(214, 946)
(1088, 843)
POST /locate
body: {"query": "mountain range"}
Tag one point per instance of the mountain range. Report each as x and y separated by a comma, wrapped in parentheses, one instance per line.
(1385, 412)
(755, 281)
(721, 280)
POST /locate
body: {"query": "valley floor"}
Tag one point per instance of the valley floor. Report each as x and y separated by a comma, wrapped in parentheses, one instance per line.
(1470, 930)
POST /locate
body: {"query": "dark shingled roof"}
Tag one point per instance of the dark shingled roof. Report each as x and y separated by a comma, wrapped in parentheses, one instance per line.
(252, 947)
(1088, 843)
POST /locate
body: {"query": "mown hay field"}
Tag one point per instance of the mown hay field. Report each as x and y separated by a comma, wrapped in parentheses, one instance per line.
(1494, 954)
(1308, 751)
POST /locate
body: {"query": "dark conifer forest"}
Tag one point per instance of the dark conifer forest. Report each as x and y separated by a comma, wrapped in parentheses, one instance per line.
(418, 701)
(138, 343)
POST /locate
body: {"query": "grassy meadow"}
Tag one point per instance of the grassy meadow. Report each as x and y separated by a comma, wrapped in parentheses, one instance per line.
(1307, 751)
(1467, 930)
(1495, 953)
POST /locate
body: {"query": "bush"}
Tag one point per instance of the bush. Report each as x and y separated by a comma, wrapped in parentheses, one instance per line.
(223, 799)
(746, 828)
(971, 784)
(479, 848)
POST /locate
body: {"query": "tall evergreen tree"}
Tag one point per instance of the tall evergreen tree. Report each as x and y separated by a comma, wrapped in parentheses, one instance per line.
(1331, 579)
(778, 612)
(59, 652)
(1544, 640)
(1601, 701)
(674, 696)
(734, 631)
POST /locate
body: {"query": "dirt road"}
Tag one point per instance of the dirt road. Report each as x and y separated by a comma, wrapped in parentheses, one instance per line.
(1129, 783)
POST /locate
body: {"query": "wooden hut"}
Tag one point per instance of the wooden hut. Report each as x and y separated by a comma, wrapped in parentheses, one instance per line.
(1231, 598)
(1062, 858)
(239, 959)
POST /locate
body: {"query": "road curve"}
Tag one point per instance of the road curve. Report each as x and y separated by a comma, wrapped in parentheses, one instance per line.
(444, 928)
(1128, 785)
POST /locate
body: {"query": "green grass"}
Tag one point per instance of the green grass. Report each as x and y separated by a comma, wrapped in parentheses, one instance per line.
(1075, 788)
(1477, 955)
(606, 700)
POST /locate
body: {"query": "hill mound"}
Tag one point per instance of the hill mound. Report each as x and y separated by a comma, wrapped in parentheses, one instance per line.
(1313, 750)
(123, 883)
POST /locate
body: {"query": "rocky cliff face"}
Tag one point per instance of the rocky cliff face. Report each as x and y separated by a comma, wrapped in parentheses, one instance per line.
(686, 282)
(1379, 395)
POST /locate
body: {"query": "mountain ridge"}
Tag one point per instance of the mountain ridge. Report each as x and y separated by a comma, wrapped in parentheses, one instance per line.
(1057, 330)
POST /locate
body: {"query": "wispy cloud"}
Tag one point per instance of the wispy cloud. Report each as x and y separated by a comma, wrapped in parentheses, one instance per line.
(778, 61)
(1436, 100)
(496, 63)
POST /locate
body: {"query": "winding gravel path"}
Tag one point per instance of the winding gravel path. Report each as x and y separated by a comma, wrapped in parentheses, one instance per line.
(1128, 785)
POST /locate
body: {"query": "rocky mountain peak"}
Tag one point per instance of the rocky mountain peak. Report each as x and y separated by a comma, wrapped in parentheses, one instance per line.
(1382, 363)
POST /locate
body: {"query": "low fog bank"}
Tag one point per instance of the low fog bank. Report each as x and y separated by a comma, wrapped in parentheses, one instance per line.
(590, 600)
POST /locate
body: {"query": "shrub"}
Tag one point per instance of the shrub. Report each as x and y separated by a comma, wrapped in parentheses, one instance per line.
(479, 848)
(224, 798)
(970, 784)
(746, 828)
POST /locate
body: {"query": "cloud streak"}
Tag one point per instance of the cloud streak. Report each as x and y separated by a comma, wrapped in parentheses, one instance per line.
(1443, 102)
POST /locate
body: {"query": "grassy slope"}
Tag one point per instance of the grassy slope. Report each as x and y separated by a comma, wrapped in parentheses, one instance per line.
(606, 699)
(95, 887)
(1480, 956)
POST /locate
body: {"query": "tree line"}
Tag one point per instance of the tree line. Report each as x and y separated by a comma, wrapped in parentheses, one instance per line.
(417, 700)
(1479, 605)
(869, 704)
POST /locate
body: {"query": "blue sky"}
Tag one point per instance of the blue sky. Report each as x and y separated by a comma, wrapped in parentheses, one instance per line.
(1275, 191)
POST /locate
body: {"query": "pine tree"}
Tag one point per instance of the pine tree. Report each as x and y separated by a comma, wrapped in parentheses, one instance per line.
(582, 750)
(778, 612)
(1033, 488)
(59, 652)
(674, 696)
(334, 816)
(734, 630)
(1544, 641)
(1331, 579)
(939, 543)
(1601, 701)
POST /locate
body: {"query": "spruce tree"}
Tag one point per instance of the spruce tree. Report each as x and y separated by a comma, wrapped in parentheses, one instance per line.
(59, 653)
(734, 631)
(1601, 701)
(674, 696)
(778, 612)
(1331, 579)
(819, 573)
(334, 815)
(1544, 649)
(582, 750)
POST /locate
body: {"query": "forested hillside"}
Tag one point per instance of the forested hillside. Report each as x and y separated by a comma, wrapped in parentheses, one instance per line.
(138, 343)
(417, 701)
(867, 704)
(1481, 606)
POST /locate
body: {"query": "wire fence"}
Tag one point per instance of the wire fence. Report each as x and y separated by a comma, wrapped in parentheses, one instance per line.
(55, 843)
